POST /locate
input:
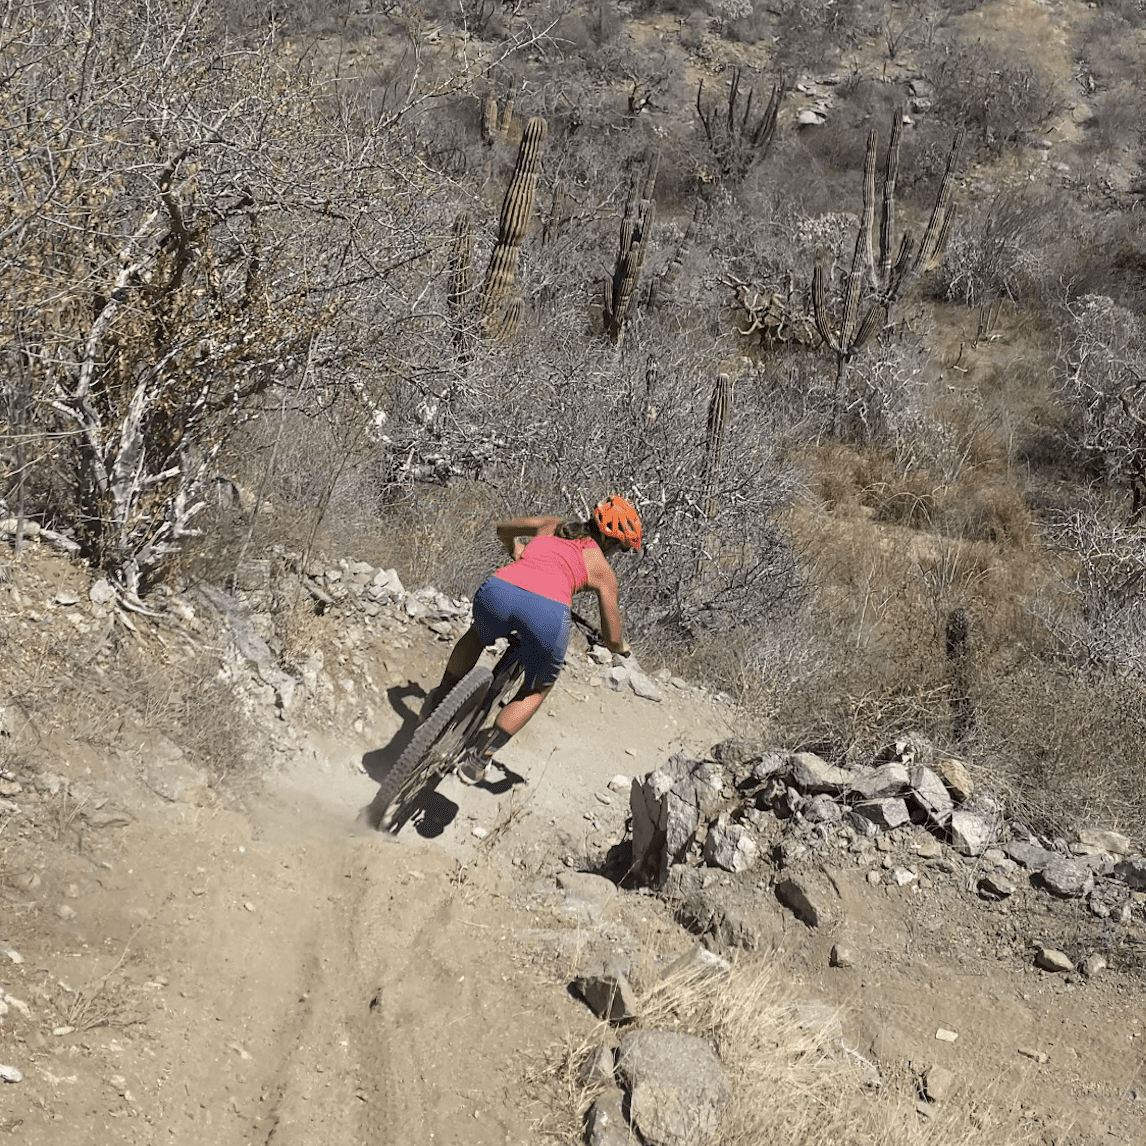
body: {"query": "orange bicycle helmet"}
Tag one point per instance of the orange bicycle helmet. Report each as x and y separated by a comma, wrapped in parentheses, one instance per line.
(616, 517)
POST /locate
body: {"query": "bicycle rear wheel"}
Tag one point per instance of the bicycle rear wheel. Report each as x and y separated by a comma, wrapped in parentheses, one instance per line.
(431, 753)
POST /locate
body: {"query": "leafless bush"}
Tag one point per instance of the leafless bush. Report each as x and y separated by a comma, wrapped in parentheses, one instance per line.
(1103, 382)
(226, 225)
(575, 420)
(1001, 249)
(998, 102)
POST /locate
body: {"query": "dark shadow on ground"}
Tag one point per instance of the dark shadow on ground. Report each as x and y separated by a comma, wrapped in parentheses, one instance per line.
(378, 761)
(507, 780)
(436, 814)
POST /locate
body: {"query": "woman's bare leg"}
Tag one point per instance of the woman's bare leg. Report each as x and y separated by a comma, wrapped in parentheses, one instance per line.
(464, 656)
(517, 713)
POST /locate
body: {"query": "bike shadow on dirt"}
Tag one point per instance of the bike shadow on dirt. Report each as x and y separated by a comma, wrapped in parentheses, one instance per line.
(378, 761)
(436, 811)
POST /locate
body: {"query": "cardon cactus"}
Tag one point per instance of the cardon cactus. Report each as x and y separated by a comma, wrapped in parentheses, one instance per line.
(735, 140)
(661, 288)
(719, 407)
(636, 228)
(877, 280)
(498, 319)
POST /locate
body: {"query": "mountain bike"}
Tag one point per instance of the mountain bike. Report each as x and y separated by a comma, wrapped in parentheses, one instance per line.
(441, 740)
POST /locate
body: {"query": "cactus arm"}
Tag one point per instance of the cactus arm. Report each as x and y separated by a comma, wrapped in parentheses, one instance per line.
(820, 306)
(515, 212)
(887, 216)
(942, 214)
(633, 242)
(866, 240)
(489, 117)
(872, 324)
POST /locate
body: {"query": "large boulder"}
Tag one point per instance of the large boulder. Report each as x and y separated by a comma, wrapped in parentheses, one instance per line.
(678, 1090)
(668, 806)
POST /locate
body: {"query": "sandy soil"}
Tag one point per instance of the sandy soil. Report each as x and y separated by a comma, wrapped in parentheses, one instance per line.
(250, 965)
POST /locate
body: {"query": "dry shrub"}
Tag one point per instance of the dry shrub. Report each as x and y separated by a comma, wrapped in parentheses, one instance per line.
(1008, 247)
(1117, 120)
(792, 1079)
(994, 512)
(998, 102)
(1067, 747)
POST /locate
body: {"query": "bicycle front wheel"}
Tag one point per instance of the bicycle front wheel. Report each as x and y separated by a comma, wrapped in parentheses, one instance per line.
(432, 752)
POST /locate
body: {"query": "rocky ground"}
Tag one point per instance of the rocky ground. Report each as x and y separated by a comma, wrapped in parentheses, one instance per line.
(189, 959)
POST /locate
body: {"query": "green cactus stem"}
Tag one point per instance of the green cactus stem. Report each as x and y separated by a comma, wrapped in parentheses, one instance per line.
(489, 117)
(636, 228)
(878, 279)
(719, 407)
(499, 316)
(736, 141)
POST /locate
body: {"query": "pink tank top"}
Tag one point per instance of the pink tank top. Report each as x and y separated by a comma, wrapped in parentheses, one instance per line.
(551, 567)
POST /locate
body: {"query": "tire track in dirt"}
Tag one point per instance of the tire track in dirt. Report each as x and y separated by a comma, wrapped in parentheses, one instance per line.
(321, 1083)
(403, 1039)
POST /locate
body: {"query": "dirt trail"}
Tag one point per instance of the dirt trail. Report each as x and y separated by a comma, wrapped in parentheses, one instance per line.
(262, 969)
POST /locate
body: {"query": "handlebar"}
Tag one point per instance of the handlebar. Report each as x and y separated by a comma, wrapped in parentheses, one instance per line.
(591, 632)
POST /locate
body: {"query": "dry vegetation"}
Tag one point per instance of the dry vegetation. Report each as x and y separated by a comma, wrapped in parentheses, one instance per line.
(241, 261)
(228, 263)
(791, 1078)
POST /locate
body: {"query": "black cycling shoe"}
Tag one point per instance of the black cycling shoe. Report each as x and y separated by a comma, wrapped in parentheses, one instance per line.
(472, 767)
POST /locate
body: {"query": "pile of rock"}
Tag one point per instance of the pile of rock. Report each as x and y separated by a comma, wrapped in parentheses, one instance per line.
(748, 808)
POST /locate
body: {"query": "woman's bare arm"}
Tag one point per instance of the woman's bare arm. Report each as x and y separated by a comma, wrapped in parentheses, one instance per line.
(509, 531)
(603, 582)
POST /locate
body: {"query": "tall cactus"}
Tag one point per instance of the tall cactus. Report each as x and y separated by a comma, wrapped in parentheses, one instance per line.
(877, 280)
(506, 121)
(735, 140)
(719, 406)
(489, 117)
(661, 288)
(718, 409)
(499, 314)
(636, 227)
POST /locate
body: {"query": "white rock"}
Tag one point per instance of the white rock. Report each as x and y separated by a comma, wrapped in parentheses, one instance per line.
(1112, 842)
(101, 592)
(730, 846)
(945, 1036)
(1051, 960)
(970, 834)
(10, 1074)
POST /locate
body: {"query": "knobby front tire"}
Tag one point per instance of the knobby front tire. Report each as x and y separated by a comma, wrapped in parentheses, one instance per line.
(431, 753)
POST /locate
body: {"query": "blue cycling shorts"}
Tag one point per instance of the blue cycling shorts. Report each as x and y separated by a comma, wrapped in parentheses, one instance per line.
(542, 625)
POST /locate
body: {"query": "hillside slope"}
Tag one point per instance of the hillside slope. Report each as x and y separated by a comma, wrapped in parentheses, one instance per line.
(244, 963)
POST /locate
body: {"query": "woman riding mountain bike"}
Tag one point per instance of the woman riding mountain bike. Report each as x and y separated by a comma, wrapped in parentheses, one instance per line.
(532, 598)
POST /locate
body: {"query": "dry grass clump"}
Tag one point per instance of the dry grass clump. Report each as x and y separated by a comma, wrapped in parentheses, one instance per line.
(1066, 747)
(793, 1080)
